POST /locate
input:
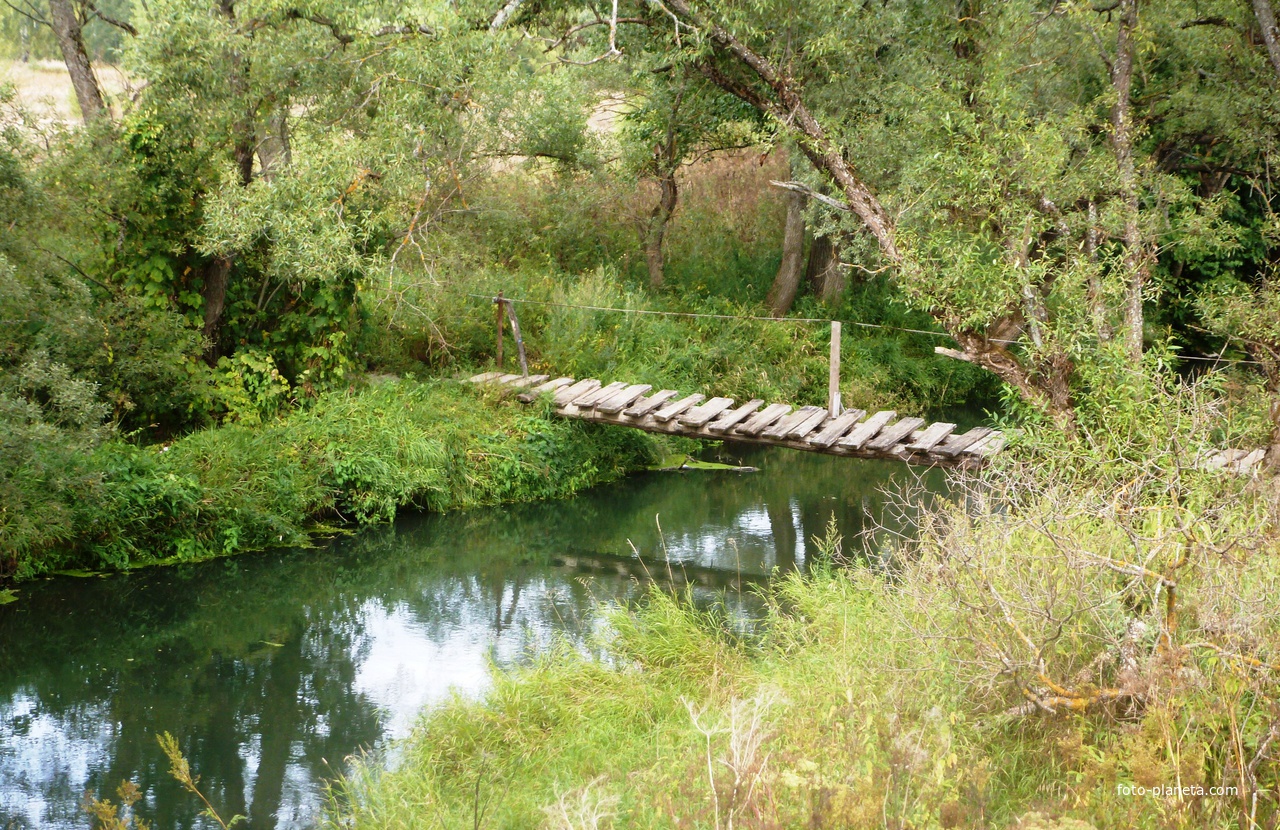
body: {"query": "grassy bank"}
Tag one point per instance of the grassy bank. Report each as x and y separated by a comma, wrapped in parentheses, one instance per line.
(348, 458)
(1064, 636)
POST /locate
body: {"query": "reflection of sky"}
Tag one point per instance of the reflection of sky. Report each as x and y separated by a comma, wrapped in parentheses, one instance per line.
(39, 748)
(393, 641)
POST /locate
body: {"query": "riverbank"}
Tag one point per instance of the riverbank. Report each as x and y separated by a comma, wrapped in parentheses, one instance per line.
(1047, 656)
(349, 459)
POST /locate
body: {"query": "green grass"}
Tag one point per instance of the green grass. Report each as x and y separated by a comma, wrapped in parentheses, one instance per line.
(347, 459)
(866, 699)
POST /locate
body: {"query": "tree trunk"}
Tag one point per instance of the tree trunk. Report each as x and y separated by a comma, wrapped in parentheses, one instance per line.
(218, 273)
(1137, 266)
(783, 292)
(1096, 296)
(785, 105)
(274, 152)
(1270, 33)
(657, 228)
(67, 29)
(823, 273)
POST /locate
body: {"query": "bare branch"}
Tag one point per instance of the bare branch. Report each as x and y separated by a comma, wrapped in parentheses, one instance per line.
(797, 187)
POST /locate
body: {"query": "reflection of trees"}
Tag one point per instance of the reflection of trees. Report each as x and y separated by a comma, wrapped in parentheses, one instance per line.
(253, 662)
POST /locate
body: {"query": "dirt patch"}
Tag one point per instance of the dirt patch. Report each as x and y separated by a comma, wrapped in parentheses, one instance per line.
(43, 88)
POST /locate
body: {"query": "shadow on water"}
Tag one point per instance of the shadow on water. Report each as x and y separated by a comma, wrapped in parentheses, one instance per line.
(272, 669)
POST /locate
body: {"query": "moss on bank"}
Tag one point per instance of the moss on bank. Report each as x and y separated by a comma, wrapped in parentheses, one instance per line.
(349, 458)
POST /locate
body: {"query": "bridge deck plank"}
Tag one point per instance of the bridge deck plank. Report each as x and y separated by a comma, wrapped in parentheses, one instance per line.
(866, 430)
(737, 416)
(617, 403)
(756, 425)
(932, 436)
(574, 390)
(698, 417)
(892, 435)
(836, 427)
(590, 399)
(644, 406)
(672, 410)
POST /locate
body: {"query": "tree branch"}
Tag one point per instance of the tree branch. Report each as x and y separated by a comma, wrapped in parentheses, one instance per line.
(119, 24)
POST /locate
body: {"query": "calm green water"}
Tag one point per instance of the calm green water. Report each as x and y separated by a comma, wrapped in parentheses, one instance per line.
(272, 669)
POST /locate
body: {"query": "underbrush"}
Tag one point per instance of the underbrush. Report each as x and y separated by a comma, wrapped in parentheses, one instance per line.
(722, 354)
(1082, 637)
(350, 458)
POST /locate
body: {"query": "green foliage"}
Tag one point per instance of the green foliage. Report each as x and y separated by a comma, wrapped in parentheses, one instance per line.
(359, 458)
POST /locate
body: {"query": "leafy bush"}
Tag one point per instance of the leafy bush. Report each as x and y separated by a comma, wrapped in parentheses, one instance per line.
(96, 503)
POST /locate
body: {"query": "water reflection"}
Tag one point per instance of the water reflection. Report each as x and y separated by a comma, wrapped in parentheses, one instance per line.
(272, 669)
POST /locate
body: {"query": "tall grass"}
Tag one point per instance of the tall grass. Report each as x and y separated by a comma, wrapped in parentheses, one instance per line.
(1081, 622)
(351, 458)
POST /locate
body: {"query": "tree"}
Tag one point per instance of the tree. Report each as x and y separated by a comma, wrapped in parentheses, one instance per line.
(67, 29)
(994, 154)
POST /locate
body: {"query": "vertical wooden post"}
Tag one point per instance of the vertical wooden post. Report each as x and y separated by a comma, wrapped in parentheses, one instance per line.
(498, 302)
(833, 372)
(515, 332)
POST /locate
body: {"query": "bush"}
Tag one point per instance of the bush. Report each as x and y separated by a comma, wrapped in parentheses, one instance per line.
(353, 458)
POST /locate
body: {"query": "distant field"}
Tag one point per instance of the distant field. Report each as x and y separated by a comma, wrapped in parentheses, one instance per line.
(44, 87)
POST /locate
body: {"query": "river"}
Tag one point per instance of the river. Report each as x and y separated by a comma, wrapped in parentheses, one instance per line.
(272, 669)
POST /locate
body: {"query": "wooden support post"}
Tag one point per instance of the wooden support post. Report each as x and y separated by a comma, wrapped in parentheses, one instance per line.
(515, 332)
(833, 372)
(498, 304)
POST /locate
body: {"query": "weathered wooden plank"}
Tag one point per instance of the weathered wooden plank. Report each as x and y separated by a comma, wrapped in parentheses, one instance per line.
(836, 427)
(505, 379)
(893, 434)
(646, 405)
(574, 390)
(809, 424)
(768, 415)
(957, 444)
(737, 416)
(588, 400)
(698, 417)
(550, 386)
(933, 435)
(629, 395)
(672, 410)
(867, 430)
(485, 377)
(785, 425)
(531, 380)
(987, 447)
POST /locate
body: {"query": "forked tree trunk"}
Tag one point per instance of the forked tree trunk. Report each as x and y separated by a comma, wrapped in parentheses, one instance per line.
(67, 29)
(783, 292)
(823, 273)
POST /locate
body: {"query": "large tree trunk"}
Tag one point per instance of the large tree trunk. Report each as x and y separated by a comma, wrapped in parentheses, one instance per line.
(67, 29)
(824, 274)
(783, 292)
(1136, 263)
(1270, 33)
(656, 229)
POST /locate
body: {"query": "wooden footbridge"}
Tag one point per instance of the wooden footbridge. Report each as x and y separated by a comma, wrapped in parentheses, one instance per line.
(827, 430)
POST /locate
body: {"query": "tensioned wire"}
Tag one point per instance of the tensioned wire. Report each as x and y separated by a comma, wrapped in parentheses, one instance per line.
(493, 298)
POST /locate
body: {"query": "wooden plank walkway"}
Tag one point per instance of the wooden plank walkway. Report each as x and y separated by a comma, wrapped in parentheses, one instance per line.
(811, 428)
